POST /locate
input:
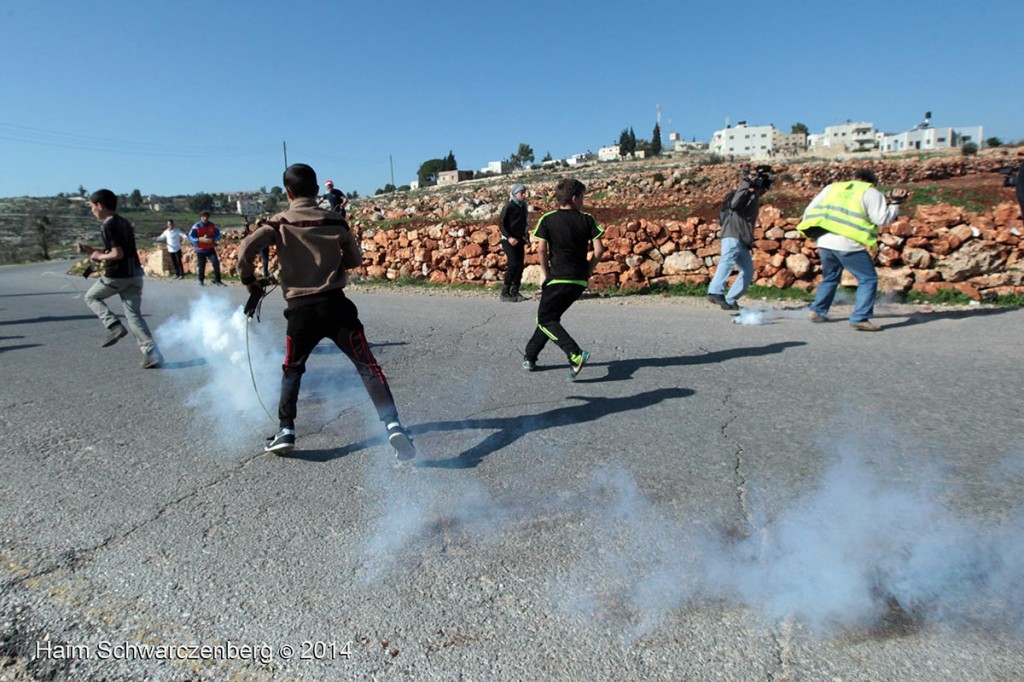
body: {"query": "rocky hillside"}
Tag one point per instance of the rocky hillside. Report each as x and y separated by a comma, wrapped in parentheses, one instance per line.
(961, 230)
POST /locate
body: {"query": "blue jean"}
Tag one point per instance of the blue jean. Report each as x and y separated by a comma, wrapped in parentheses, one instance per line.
(860, 265)
(734, 252)
(202, 257)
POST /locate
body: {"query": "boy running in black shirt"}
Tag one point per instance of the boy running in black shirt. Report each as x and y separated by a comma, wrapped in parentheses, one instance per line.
(563, 239)
(122, 276)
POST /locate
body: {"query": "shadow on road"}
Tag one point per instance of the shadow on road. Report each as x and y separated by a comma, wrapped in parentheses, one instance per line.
(4, 349)
(184, 364)
(508, 430)
(38, 293)
(924, 318)
(622, 370)
(49, 318)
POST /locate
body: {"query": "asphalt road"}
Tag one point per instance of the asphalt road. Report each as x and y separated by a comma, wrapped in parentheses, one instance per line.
(708, 500)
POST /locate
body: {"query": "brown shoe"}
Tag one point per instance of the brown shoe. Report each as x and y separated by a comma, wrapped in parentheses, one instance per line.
(815, 317)
(866, 326)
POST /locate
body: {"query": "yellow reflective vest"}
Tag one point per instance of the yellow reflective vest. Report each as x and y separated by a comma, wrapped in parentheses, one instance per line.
(842, 212)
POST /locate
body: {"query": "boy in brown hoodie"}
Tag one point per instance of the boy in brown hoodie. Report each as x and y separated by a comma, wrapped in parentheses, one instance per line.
(314, 248)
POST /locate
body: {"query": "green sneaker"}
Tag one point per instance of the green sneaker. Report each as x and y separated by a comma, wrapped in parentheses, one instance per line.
(529, 365)
(576, 363)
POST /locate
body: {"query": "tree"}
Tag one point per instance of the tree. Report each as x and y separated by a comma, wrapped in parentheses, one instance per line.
(547, 157)
(627, 142)
(201, 202)
(449, 162)
(428, 171)
(969, 149)
(135, 199)
(270, 204)
(994, 142)
(656, 140)
(81, 191)
(798, 129)
(523, 155)
(276, 191)
(387, 189)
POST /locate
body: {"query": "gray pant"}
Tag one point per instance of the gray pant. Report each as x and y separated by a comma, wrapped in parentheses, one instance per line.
(130, 291)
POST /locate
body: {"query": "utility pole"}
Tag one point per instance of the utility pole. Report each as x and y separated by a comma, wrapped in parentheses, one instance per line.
(284, 146)
(392, 162)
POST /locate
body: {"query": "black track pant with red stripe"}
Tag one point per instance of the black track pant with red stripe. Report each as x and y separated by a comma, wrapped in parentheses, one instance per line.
(335, 318)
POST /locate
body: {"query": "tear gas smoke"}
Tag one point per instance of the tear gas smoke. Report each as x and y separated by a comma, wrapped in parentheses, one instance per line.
(759, 316)
(226, 402)
(414, 515)
(836, 559)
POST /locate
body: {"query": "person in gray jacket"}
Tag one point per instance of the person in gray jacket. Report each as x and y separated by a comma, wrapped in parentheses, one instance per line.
(737, 218)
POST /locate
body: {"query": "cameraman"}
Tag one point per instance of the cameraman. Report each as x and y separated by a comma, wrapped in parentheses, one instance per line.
(737, 219)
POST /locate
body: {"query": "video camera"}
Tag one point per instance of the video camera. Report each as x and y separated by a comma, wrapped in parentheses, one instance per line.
(760, 178)
(1010, 175)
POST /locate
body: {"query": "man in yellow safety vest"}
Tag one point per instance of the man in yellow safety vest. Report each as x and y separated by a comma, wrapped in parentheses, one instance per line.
(844, 219)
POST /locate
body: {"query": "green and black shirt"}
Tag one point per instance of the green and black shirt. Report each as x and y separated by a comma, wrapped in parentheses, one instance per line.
(568, 233)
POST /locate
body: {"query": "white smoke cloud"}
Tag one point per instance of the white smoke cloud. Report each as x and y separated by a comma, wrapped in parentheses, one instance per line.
(842, 556)
(759, 316)
(213, 337)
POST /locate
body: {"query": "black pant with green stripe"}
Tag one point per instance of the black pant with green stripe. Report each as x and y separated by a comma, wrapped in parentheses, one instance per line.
(554, 301)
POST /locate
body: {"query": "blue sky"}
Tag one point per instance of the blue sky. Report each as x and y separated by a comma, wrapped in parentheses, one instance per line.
(189, 96)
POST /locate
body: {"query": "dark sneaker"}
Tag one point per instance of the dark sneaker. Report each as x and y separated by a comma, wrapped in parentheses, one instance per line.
(529, 365)
(284, 441)
(865, 326)
(725, 305)
(202, 283)
(576, 363)
(117, 332)
(152, 360)
(220, 284)
(717, 299)
(400, 441)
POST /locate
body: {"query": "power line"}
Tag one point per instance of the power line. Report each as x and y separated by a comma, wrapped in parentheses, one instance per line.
(59, 140)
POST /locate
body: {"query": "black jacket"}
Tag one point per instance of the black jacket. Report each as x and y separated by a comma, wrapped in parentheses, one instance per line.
(514, 221)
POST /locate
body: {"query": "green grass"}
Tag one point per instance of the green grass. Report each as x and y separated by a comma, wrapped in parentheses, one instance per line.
(773, 294)
(932, 194)
(943, 296)
(954, 297)
(421, 283)
(671, 213)
(1008, 301)
(152, 223)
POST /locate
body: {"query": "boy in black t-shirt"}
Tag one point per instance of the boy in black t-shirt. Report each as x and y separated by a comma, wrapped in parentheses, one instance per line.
(563, 238)
(122, 275)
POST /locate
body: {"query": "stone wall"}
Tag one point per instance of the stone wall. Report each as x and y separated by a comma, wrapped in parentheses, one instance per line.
(452, 237)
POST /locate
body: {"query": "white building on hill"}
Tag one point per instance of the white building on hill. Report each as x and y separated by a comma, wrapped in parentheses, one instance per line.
(756, 142)
(852, 136)
(925, 137)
